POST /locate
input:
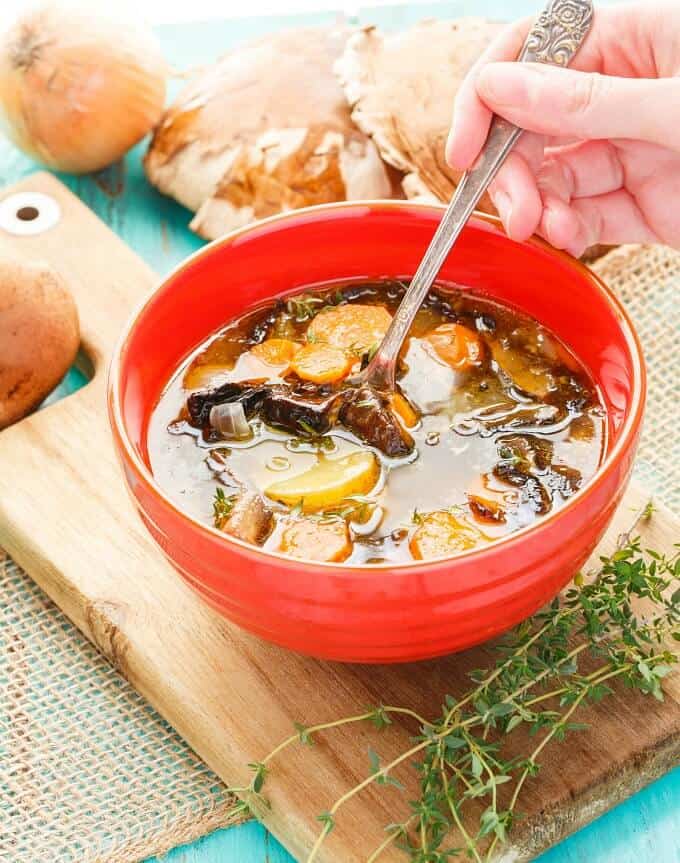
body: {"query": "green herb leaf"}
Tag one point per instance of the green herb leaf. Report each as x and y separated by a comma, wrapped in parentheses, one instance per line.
(380, 718)
(222, 507)
(476, 766)
(306, 427)
(513, 722)
(303, 734)
(260, 770)
(327, 820)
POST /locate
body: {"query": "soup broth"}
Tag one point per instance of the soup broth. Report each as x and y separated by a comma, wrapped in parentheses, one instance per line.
(262, 434)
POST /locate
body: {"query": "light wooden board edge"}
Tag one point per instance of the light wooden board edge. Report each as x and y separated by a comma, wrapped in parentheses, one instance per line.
(110, 624)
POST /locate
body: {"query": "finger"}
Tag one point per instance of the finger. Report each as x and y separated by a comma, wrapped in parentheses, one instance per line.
(471, 117)
(610, 219)
(514, 190)
(516, 197)
(532, 149)
(561, 224)
(579, 171)
(556, 101)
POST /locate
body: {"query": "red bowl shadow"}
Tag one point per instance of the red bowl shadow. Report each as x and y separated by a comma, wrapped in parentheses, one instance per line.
(384, 613)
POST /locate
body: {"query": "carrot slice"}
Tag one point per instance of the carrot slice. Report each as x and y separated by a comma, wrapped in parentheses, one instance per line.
(401, 407)
(275, 352)
(311, 539)
(351, 327)
(486, 509)
(441, 534)
(322, 364)
(457, 345)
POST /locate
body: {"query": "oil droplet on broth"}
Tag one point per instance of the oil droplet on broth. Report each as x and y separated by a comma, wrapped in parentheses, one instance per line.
(278, 463)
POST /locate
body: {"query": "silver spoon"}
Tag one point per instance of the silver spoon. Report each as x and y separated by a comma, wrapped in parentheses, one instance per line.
(555, 38)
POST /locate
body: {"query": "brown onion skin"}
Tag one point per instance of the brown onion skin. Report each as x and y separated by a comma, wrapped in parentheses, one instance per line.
(78, 89)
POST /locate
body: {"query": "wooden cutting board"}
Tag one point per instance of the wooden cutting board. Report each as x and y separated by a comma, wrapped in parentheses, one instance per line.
(65, 517)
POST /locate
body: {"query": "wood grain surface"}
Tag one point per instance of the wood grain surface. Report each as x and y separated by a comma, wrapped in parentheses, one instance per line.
(65, 517)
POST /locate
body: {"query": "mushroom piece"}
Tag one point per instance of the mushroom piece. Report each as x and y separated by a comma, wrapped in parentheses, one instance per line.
(367, 413)
(532, 489)
(402, 88)
(263, 130)
(39, 335)
(250, 519)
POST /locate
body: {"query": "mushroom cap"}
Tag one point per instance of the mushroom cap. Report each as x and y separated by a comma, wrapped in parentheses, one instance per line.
(39, 335)
(402, 88)
(265, 129)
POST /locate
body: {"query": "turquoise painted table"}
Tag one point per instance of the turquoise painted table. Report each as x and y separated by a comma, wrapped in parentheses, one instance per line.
(645, 829)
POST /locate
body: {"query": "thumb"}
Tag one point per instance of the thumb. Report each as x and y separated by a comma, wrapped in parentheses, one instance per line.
(565, 103)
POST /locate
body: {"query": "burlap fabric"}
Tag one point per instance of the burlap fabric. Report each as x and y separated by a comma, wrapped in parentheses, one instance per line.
(89, 772)
(647, 279)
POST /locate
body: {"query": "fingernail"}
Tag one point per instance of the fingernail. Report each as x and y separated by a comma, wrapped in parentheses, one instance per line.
(505, 84)
(453, 159)
(448, 148)
(503, 204)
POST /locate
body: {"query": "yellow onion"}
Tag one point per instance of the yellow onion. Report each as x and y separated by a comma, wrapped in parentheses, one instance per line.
(78, 89)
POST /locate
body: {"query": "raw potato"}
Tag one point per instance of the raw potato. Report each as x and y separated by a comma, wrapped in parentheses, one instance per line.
(314, 540)
(39, 336)
(263, 130)
(328, 483)
(402, 88)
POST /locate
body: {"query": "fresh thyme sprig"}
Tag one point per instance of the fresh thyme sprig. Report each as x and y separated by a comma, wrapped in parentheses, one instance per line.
(538, 682)
(222, 507)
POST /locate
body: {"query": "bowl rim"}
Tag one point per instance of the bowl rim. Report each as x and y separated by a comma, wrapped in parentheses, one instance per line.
(145, 476)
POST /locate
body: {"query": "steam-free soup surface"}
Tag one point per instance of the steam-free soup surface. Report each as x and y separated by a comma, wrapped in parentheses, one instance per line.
(261, 434)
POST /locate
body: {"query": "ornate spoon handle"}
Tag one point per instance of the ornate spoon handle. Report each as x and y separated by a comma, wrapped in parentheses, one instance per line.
(555, 38)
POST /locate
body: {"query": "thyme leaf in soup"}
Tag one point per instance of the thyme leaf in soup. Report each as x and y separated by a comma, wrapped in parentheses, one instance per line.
(304, 307)
(371, 352)
(307, 428)
(222, 507)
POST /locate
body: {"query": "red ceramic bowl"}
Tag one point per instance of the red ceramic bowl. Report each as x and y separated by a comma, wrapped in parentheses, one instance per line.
(382, 613)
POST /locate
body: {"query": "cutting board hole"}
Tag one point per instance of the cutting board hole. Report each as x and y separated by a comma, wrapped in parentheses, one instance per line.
(28, 213)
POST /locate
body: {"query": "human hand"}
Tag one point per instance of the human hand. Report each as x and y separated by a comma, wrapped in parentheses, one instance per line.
(600, 160)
